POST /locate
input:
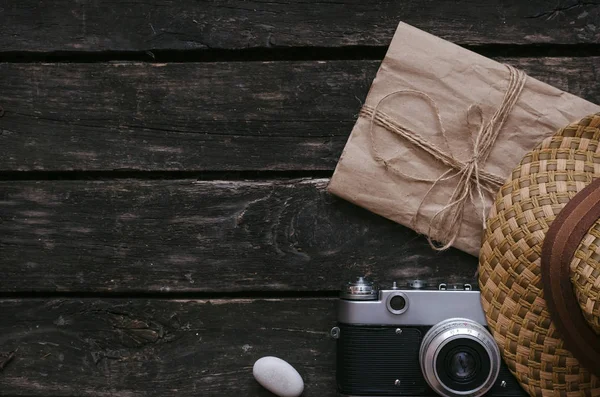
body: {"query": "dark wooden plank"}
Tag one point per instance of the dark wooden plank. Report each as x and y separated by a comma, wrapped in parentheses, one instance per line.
(212, 236)
(206, 116)
(76, 25)
(127, 348)
(201, 116)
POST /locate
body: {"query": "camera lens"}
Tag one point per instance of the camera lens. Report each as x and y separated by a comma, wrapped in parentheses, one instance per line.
(398, 302)
(458, 357)
(461, 366)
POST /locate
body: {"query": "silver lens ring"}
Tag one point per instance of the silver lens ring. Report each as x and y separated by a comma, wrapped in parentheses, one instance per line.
(444, 333)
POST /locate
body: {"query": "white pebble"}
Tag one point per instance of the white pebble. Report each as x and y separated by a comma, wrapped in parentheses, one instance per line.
(278, 377)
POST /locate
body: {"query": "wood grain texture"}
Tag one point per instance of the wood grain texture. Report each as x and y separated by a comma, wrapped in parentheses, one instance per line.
(128, 348)
(139, 25)
(206, 116)
(202, 116)
(133, 236)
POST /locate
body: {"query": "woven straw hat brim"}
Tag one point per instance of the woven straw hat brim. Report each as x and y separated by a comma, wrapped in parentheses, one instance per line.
(509, 264)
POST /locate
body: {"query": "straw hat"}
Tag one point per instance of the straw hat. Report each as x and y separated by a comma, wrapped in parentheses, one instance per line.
(539, 268)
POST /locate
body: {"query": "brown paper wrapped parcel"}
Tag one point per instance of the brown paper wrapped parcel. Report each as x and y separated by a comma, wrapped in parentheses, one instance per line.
(439, 133)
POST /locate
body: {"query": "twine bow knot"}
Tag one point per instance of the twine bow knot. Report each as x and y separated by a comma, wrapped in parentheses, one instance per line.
(444, 226)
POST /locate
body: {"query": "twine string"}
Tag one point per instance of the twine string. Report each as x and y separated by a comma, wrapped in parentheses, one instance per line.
(471, 179)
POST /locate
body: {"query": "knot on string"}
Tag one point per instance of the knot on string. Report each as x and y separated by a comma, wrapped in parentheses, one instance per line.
(471, 179)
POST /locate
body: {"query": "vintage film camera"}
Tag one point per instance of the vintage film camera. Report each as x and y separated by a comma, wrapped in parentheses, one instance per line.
(417, 341)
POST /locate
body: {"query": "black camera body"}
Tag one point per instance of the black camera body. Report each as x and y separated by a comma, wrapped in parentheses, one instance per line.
(417, 341)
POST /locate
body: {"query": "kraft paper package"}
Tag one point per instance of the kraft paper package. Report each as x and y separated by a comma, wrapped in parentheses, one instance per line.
(439, 133)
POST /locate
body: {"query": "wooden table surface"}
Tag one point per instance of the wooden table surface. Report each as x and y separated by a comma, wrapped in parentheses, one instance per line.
(163, 214)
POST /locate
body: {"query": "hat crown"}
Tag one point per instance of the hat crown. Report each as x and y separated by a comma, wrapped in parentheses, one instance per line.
(585, 276)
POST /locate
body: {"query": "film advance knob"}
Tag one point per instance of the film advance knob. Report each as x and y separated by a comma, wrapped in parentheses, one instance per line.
(361, 289)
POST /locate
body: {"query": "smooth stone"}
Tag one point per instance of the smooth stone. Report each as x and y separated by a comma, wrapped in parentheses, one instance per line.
(278, 377)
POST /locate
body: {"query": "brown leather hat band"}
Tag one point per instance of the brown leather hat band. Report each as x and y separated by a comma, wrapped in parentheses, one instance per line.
(563, 237)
